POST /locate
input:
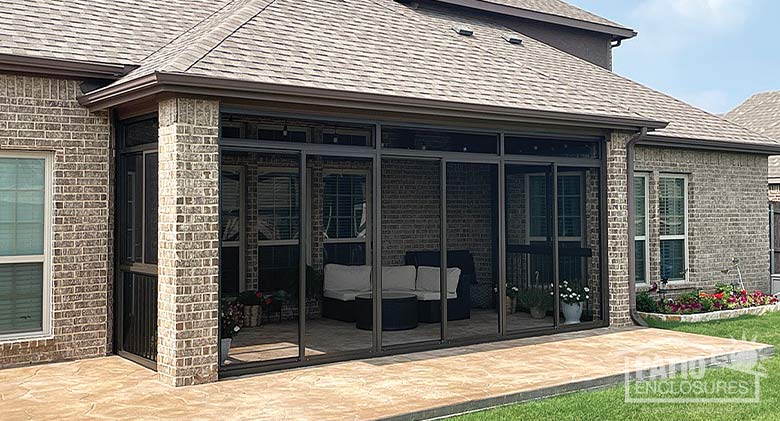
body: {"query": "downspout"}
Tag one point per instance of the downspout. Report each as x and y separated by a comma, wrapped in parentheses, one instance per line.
(632, 226)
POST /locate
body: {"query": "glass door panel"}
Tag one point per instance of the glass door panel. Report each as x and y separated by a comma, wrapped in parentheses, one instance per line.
(472, 249)
(339, 263)
(579, 238)
(529, 293)
(411, 244)
(260, 226)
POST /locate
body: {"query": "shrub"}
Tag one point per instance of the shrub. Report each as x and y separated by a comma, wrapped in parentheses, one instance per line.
(646, 303)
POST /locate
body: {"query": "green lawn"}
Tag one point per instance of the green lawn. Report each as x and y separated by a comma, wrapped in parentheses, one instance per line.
(608, 404)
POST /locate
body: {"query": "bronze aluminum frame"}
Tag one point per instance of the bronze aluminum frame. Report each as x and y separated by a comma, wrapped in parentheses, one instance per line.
(376, 153)
(120, 267)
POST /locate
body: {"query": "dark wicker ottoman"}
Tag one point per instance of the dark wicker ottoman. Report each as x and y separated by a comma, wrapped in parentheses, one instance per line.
(399, 311)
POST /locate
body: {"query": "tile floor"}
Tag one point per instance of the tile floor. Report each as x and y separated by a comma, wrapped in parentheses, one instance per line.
(421, 384)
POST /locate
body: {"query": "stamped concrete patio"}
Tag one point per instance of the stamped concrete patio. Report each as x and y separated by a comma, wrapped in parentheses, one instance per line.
(409, 386)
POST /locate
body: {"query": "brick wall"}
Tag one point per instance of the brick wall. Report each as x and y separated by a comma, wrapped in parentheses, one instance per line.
(727, 213)
(617, 230)
(188, 314)
(42, 114)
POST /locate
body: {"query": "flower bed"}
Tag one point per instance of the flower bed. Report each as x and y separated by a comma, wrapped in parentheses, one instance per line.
(726, 300)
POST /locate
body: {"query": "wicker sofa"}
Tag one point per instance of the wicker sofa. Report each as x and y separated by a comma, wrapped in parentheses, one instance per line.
(420, 276)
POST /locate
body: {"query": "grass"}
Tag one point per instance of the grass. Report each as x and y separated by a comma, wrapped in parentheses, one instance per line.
(608, 404)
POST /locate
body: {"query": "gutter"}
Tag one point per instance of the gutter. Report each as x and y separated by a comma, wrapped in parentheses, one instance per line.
(632, 226)
(160, 82)
(61, 67)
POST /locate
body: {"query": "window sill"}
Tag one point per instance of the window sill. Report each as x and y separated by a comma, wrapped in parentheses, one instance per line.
(27, 337)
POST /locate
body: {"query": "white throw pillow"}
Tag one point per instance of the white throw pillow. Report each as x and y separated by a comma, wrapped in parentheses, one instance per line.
(428, 279)
(398, 278)
(347, 278)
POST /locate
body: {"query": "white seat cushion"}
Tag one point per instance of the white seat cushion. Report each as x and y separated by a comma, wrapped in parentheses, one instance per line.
(347, 278)
(343, 295)
(398, 278)
(428, 279)
(432, 295)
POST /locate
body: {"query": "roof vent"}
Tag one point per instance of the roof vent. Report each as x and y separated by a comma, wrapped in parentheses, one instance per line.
(513, 39)
(463, 30)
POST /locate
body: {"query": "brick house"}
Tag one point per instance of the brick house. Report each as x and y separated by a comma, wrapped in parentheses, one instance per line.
(160, 159)
(761, 113)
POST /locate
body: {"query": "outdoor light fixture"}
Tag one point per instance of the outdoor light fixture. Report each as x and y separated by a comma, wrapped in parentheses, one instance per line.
(284, 130)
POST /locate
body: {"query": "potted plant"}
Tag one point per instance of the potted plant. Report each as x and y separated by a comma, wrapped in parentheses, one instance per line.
(231, 320)
(537, 300)
(511, 297)
(572, 297)
(251, 303)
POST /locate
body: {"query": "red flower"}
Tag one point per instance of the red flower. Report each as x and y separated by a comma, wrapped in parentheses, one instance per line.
(719, 296)
(259, 294)
(268, 300)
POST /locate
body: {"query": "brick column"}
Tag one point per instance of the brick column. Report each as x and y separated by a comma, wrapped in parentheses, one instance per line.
(617, 230)
(188, 293)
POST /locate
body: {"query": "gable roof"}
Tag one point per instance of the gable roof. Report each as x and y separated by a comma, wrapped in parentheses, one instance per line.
(551, 11)
(98, 31)
(761, 113)
(374, 50)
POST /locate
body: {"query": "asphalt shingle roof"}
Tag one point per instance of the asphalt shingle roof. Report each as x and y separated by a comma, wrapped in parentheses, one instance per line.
(366, 46)
(101, 31)
(761, 113)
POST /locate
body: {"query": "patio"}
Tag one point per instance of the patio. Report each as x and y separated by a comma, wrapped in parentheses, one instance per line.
(409, 386)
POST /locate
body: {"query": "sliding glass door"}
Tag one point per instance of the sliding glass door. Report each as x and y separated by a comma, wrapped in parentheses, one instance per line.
(530, 274)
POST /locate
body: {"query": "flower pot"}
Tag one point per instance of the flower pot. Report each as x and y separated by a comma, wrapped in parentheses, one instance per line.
(225, 348)
(538, 313)
(571, 313)
(255, 316)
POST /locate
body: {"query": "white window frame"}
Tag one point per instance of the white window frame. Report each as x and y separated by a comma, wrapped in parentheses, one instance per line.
(645, 185)
(45, 258)
(241, 224)
(366, 192)
(683, 236)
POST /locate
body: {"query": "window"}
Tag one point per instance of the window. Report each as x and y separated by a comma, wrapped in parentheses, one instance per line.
(641, 251)
(25, 191)
(344, 218)
(232, 229)
(569, 206)
(570, 220)
(673, 210)
(278, 224)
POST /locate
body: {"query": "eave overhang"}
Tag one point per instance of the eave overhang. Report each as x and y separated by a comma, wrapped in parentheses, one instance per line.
(160, 82)
(63, 68)
(617, 33)
(657, 139)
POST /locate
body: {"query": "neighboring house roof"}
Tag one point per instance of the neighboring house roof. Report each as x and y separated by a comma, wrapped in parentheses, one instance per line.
(553, 8)
(761, 113)
(389, 50)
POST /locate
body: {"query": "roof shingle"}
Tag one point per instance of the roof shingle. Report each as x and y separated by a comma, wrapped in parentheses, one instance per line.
(761, 113)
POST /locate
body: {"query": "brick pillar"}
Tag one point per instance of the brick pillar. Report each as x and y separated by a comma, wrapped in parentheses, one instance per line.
(617, 230)
(188, 293)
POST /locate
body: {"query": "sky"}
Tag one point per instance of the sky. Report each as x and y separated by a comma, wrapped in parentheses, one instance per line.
(713, 54)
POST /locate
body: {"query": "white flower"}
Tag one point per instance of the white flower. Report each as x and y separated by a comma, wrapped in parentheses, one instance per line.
(236, 329)
(568, 289)
(586, 289)
(587, 297)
